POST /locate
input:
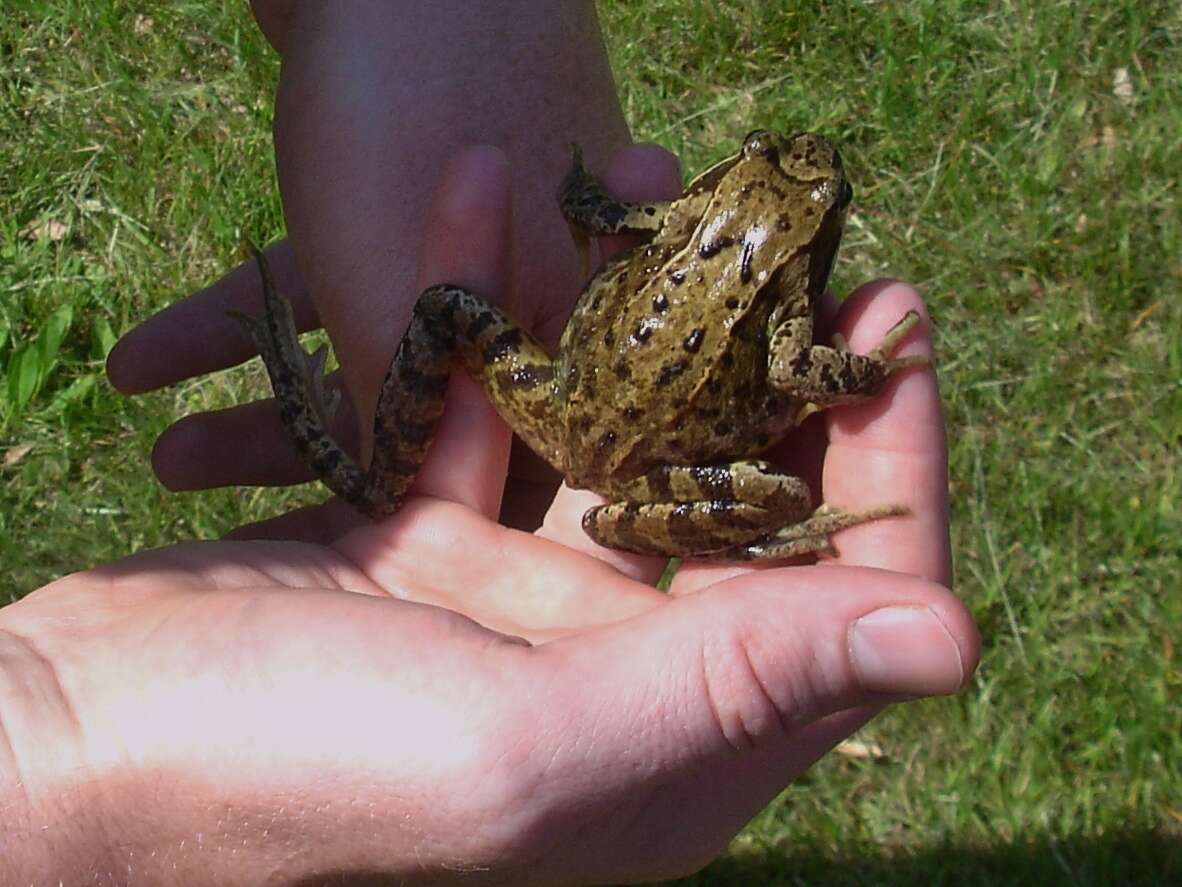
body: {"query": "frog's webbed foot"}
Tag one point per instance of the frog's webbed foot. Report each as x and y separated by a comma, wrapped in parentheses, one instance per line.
(825, 375)
(590, 210)
(745, 510)
(297, 379)
(810, 535)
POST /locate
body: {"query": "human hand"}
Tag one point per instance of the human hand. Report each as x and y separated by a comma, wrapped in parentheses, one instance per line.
(369, 103)
(235, 712)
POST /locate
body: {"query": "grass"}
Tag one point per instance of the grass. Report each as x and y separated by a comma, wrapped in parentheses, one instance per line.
(1018, 162)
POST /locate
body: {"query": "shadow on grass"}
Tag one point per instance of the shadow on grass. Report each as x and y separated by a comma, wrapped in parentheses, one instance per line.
(1132, 857)
(1128, 858)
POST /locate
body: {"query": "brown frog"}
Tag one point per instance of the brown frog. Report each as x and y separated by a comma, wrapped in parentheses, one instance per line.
(683, 358)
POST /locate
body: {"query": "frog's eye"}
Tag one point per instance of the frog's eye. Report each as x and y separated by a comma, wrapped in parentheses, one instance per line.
(758, 142)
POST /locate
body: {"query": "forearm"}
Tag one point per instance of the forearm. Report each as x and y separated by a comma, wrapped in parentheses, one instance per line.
(372, 103)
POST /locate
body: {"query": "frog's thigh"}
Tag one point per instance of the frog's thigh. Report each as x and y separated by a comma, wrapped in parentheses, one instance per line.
(511, 365)
(692, 511)
(825, 375)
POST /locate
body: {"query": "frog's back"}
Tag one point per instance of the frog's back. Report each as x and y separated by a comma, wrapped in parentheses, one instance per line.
(673, 373)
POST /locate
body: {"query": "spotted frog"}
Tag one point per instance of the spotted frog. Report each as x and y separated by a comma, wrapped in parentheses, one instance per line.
(684, 358)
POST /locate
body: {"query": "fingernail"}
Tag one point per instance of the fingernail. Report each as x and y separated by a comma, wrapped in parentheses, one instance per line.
(905, 650)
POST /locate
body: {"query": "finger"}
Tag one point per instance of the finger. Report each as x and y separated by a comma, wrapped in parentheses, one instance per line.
(245, 445)
(195, 335)
(274, 18)
(891, 449)
(468, 242)
(639, 174)
(741, 686)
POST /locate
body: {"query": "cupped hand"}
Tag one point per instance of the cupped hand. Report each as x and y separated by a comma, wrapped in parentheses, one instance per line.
(437, 697)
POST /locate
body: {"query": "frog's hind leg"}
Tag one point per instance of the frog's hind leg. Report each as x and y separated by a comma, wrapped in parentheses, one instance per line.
(590, 210)
(512, 366)
(297, 379)
(446, 321)
(742, 511)
(685, 511)
(824, 375)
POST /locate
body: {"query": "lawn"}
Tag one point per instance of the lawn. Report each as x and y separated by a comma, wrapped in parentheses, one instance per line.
(1019, 162)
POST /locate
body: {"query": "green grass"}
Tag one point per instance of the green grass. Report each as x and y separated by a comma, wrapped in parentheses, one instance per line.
(995, 165)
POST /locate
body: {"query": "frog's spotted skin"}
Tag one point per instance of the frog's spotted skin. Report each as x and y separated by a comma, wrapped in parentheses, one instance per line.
(682, 359)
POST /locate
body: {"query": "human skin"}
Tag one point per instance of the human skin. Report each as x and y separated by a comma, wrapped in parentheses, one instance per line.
(370, 102)
(439, 699)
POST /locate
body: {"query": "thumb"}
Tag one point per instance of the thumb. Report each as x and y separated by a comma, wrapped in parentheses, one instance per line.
(716, 701)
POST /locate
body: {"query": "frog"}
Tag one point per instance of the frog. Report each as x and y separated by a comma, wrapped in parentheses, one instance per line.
(683, 361)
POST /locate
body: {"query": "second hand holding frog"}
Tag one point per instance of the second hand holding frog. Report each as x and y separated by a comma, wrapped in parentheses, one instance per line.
(682, 358)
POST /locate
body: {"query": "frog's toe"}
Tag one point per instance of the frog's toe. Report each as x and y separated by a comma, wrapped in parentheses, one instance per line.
(810, 536)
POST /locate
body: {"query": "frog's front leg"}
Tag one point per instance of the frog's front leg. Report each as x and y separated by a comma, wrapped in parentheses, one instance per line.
(744, 510)
(823, 375)
(590, 210)
(513, 368)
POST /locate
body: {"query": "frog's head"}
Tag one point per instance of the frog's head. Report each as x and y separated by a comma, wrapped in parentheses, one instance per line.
(807, 196)
(807, 159)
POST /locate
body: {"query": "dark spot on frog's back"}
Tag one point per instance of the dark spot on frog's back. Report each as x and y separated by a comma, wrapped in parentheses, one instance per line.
(660, 303)
(622, 370)
(631, 413)
(609, 338)
(676, 277)
(694, 340)
(644, 331)
(745, 261)
(671, 370)
(606, 440)
(714, 247)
